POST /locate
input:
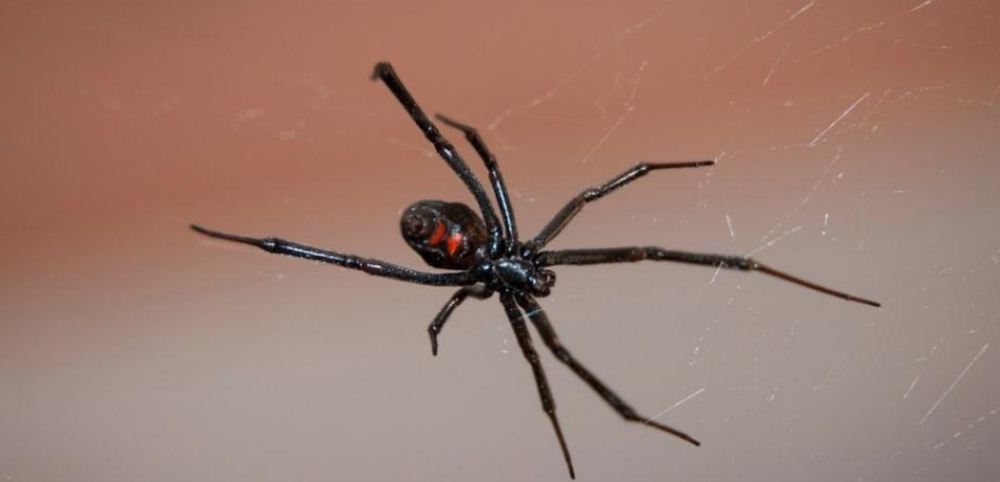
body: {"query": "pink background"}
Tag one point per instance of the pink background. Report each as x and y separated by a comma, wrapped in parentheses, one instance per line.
(857, 146)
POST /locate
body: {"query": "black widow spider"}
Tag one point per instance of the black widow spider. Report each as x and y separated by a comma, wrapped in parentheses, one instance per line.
(492, 259)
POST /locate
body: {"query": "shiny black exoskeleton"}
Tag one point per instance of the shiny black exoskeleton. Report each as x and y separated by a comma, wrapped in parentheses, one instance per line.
(447, 235)
(491, 258)
(451, 236)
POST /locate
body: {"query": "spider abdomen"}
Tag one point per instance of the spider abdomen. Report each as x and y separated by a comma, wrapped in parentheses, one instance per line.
(447, 235)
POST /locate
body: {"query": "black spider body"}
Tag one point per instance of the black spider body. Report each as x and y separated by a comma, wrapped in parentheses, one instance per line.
(447, 235)
(491, 259)
(451, 235)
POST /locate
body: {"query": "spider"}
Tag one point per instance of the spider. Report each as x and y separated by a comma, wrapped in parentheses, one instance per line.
(487, 256)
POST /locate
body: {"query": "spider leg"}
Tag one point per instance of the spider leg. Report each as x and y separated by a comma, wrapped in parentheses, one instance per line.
(476, 291)
(384, 71)
(538, 318)
(496, 178)
(633, 254)
(570, 210)
(524, 340)
(371, 266)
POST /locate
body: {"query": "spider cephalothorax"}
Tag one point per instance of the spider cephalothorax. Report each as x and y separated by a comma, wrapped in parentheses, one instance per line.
(492, 259)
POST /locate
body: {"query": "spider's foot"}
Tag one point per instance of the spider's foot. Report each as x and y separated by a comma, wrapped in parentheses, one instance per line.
(382, 69)
(679, 165)
(672, 431)
(267, 244)
(434, 341)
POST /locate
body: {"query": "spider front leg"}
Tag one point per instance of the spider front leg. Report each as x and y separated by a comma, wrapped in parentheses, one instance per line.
(573, 207)
(371, 266)
(653, 253)
(476, 291)
(548, 403)
(496, 178)
(538, 318)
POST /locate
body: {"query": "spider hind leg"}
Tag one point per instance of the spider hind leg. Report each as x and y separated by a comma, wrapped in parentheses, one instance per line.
(496, 178)
(371, 266)
(447, 152)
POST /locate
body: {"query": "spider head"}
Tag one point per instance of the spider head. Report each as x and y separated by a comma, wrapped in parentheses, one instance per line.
(523, 275)
(543, 281)
(447, 235)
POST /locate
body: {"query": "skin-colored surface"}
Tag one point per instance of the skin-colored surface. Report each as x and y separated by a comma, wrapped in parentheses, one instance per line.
(856, 145)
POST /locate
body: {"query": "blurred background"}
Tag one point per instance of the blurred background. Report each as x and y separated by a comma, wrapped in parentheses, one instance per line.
(856, 143)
